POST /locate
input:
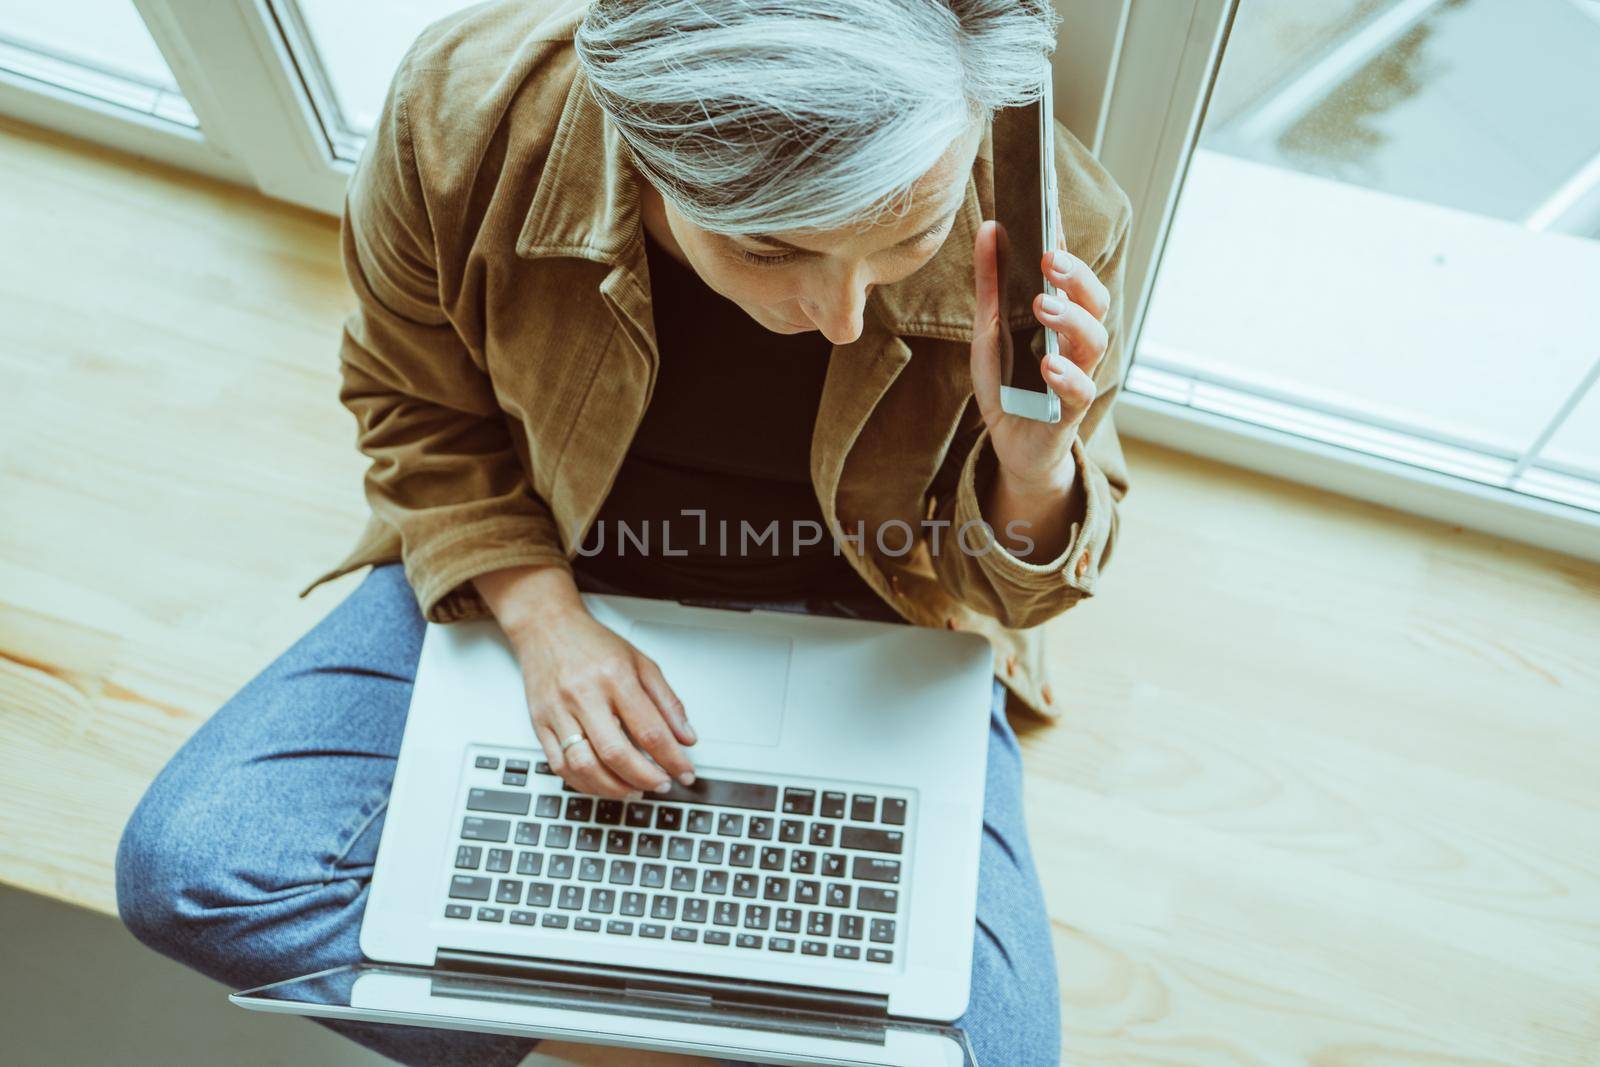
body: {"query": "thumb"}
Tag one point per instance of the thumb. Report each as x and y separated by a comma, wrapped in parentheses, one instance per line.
(988, 340)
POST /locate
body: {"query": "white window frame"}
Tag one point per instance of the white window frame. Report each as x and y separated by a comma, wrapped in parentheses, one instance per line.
(1132, 81)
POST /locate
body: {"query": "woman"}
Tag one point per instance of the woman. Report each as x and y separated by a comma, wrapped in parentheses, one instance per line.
(636, 265)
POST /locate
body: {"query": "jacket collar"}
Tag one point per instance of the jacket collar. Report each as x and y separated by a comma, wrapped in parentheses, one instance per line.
(586, 205)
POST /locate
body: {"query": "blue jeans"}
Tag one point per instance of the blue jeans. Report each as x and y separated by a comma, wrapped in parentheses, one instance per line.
(249, 857)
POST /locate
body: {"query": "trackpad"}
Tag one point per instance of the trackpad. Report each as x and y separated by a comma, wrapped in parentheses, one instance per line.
(732, 684)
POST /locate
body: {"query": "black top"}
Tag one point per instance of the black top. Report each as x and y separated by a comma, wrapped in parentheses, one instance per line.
(727, 432)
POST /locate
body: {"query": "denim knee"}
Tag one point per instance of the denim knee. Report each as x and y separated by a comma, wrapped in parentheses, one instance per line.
(151, 876)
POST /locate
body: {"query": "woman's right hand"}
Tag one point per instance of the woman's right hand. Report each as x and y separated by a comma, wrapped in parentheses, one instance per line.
(581, 678)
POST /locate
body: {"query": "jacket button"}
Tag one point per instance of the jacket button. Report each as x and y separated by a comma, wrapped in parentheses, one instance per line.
(1083, 565)
(1011, 666)
(894, 583)
(950, 623)
(1044, 692)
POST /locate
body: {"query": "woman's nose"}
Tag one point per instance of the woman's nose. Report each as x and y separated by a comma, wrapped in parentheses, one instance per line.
(838, 311)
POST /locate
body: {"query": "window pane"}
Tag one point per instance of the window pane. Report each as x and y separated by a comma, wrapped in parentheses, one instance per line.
(1389, 227)
(97, 47)
(1575, 448)
(357, 44)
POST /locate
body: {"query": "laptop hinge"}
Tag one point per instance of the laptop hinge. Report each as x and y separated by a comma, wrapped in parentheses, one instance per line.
(675, 985)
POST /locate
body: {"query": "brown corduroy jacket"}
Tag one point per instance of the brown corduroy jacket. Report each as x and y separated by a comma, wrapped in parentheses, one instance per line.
(502, 352)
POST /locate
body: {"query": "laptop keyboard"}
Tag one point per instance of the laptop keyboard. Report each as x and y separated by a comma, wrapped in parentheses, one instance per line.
(801, 868)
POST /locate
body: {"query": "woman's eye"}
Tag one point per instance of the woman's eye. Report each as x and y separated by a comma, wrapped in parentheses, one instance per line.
(764, 261)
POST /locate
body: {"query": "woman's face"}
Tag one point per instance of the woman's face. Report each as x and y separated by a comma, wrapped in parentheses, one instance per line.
(795, 282)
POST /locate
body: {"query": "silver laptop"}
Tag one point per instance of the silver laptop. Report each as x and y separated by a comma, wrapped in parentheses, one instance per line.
(808, 900)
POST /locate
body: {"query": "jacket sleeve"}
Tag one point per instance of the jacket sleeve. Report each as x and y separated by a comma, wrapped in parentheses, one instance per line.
(443, 473)
(976, 568)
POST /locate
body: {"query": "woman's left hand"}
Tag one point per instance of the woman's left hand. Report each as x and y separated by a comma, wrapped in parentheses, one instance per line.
(1036, 457)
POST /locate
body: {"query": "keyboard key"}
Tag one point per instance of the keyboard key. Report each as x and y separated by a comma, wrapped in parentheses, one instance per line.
(519, 766)
(730, 825)
(820, 924)
(608, 812)
(560, 866)
(833, 864)
(799, 801)
(554, 921)
(760, 828)
(726, 913)
(527, 833)
(883, 931)
(870, 899)
(591, 869)
(619, 926)
(525, 918)
(714, 883)
(579, 809)
(477, 828)
(850, 927)
(847, 952)
(680, 849)
(586, 923)
(807, 891)
(716, 937)
(775, 889)
(468, 856)
(748, 941)
(871, 840)
(529, 864)
(746, 885)
(619, 842)
(540, 894)
(894, 811)
(547, 807)
(699, 821)
(513, 778)
(757, 916)
(695, 909)
(838, 895)
(880, 955)
(813, 948)
(602, 901)
(570, 898)
(802, 861)
(742, 856)
(832, 806)
(638, 815)
(788, 920)
(654, 930)
(458, 911)
(669, 817)
(791, 831)
(710, 852)
(780, 944)
(499, 861)
(663, 906)
(653, 876)
(498, 800)
(558, 837)
(685, 933)
(508, 891)
(724, 794)
(822, 834)
(863, 808)
(541, 767)
(632, 904)
(487, 763)
(465, 887)
(873, 869)
(683, 879)
(772, 858)
(622, 872)
(491, 915)
(649, 846)
(589, 839)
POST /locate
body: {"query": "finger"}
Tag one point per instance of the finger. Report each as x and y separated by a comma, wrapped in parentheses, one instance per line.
(618, 753)
(1073, 277)
(1083, 337)
(647, 725)
(1075, 388)
(988, 340)
(655, 684)
(582, 768)
(551, 745)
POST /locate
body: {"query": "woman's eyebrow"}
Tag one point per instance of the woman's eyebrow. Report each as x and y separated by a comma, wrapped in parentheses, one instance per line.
(779, 242)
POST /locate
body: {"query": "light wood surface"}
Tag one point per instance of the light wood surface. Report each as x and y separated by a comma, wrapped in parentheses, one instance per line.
(1328, 791)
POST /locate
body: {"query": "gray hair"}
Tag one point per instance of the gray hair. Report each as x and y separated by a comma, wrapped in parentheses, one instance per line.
(804, 115)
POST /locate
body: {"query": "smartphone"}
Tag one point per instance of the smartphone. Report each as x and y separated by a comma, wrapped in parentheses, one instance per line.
(1025, 206)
